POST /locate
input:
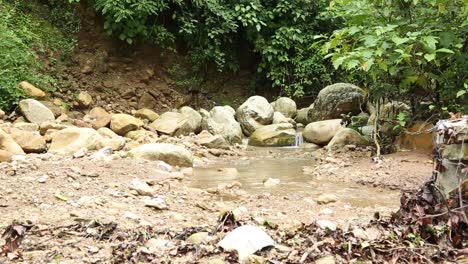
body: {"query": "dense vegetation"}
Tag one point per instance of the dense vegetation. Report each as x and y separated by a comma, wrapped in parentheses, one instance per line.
(28, 40)
(392, 48)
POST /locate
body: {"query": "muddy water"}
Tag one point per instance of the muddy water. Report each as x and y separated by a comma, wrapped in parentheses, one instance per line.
(287, 165)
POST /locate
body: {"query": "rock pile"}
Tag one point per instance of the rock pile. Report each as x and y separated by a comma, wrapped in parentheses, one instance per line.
(48, 126)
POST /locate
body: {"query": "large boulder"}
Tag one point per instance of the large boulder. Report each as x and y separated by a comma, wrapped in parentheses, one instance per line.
(286, 106)
(208, 140)
(123, 123)
(321, 132)
(220, 121)
(347, 136)
(172, 154)
(276, 135)
(99, 117)
(335, 100)
(254, 113)
(30, 142)
(70, 140)
(35, 112)
(172, 124)
(194, 118)
(279, 118)
(8, 144)
(302, 116)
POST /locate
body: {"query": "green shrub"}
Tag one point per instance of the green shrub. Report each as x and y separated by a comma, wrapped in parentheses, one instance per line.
(26, 37)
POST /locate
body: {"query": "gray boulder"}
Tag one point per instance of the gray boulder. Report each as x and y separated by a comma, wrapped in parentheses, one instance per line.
(302, 115)
(286, 106)
(35, 112)
(321, 132)
(276, 135)
(171, 154)
(335, 100)
(220, 121)
(254, 113)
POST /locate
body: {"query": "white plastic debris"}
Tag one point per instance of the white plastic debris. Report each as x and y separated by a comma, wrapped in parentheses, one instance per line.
(246, 240)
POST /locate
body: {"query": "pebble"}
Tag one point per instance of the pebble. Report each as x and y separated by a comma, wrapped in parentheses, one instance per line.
(156, 202)
(43, 179)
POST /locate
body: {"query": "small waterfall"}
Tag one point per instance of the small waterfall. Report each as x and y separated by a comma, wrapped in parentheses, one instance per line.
(299, 139)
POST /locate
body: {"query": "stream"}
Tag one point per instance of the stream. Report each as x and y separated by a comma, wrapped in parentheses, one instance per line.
(286, 164)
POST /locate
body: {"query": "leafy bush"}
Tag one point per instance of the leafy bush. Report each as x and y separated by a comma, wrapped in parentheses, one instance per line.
(25, 37)
(402, 48)
(276, 34)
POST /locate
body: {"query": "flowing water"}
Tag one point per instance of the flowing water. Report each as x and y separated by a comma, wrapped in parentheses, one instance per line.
(287, 165)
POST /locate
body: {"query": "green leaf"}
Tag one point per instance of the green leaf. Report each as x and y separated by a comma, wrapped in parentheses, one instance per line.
(444, 50)
(338, 61)
(431, 41)
(461, 93)
(399, 40)
(365, 245)
(430, 56)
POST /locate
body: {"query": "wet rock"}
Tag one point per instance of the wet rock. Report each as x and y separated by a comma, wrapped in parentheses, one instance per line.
(347, 136)
(321, 132)
(84, 99)
(210, 141)
(8, 144)
(141, 188)
(70, 140)
(220, 121)
(30, 142)
(254, 113)
(123, 123)
(35, 112)
(326, 199)
(246, 240)
(155, 202)
(276, 135)
(172, 154)
(285, 106)
(335, 100)
(147, 114)
(32, 90)
(99, 117)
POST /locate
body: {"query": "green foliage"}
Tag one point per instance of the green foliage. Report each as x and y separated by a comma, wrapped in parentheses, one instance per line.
(403, 48)
(25, 38)
(276, 34)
